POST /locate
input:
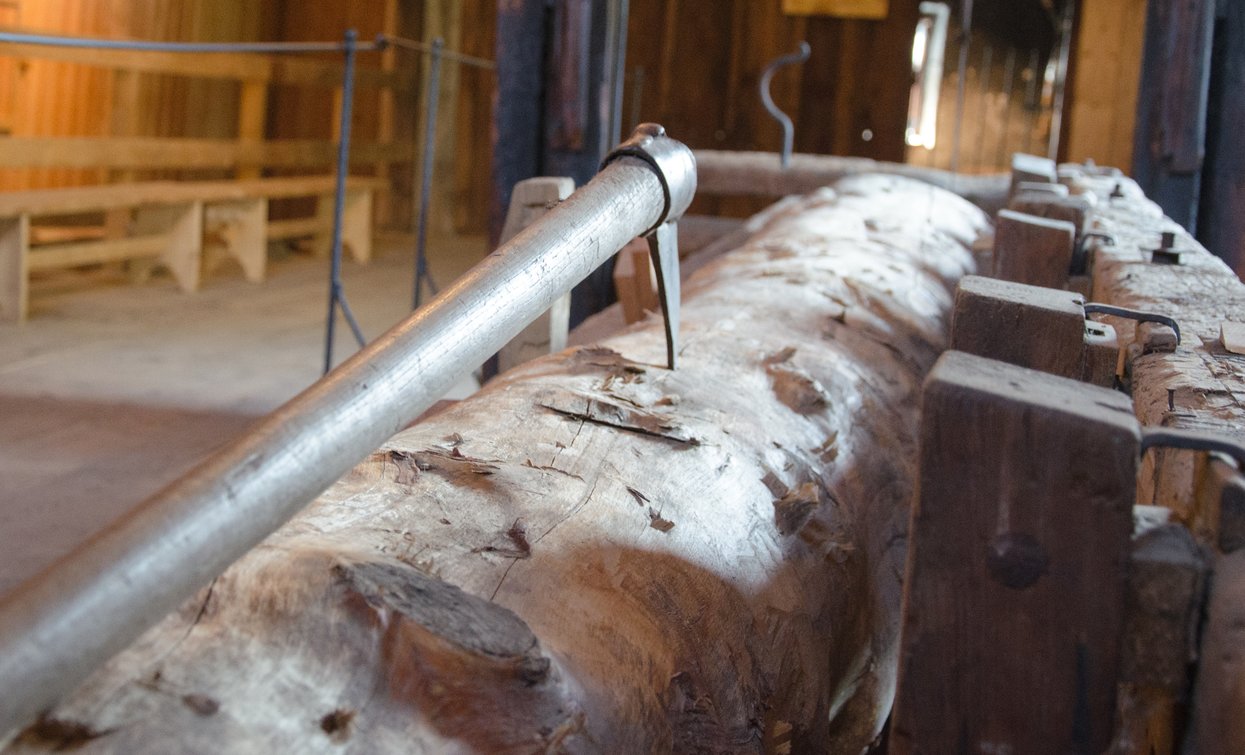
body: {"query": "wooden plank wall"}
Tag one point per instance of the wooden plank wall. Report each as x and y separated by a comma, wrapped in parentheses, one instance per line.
(1104, 90)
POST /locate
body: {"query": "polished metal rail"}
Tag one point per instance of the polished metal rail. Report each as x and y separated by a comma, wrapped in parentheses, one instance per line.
(58, 627)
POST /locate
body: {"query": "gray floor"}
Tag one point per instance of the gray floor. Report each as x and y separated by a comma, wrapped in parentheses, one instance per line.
(111, 390)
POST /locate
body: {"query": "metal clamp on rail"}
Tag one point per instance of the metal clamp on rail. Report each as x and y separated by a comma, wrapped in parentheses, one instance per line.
(675, 167)
(58, 627)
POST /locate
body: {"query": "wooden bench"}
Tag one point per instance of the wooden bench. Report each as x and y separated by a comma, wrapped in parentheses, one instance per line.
(173, 223)
(218, 205)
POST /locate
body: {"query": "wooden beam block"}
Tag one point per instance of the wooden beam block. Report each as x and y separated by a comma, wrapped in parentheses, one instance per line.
(1102, 354)
(1040, 187)
(1074, 208)
(1166, 578)
(240, 226)
(1017, 564)
(1219, 501)
(1217, 725)
(14, 283)
(1033, 250)
(1039, 328)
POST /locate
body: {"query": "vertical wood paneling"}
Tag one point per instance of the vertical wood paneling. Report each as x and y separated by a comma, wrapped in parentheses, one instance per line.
(1104, 91)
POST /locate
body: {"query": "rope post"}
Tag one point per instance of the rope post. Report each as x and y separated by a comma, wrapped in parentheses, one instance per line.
(337, 296)
(427, 156)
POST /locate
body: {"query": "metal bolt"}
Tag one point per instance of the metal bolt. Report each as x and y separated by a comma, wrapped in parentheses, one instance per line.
(1167, 240)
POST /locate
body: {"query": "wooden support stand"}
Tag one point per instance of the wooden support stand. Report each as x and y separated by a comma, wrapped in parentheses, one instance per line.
(547, 334)
(1033, 250)
(635, 281)
(1016, 581)
(239, 229)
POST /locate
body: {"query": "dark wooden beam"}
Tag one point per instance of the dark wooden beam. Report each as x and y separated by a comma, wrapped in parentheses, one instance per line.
(1170, 138)
(1221, 224)
(552, 107)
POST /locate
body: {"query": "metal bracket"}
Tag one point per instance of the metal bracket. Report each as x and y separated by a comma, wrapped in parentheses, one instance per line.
(1189, 440)
(788, 129)
(1133, 314)
(675, 167)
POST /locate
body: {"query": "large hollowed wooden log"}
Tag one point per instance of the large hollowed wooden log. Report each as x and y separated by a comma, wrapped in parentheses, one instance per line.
(596, 554)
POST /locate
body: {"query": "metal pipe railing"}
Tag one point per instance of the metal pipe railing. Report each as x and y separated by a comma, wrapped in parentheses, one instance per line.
(58, 627)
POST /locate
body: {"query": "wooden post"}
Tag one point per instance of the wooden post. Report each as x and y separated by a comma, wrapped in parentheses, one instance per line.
(1221, 224)
(1033, 250)
(14, 283)
(1017, 563)
(1170, 140)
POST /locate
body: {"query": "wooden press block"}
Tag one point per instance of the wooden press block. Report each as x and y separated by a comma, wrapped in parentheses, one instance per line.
(1030, 326)
(1220, 499)
(1074, 208)
(1017, 563)
(1216, 722)
(1033, 250)
(1166, 577)
(1058, 190)
(1032, 168)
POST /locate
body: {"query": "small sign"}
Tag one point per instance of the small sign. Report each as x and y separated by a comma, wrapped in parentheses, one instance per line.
(868, 9)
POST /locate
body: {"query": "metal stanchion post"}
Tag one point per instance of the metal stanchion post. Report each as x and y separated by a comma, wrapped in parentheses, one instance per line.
(426, 162)
(336, 294)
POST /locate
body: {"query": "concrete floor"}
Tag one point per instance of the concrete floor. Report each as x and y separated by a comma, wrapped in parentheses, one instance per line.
(111, 390)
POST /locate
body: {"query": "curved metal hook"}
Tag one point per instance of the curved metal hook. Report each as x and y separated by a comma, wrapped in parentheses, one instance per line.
(1189, 440)
(1092, 308)
(788, 129)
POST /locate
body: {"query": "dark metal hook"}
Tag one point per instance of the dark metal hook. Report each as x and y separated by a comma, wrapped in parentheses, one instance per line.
(1189, 440)
(1133, 314)
(788, 129)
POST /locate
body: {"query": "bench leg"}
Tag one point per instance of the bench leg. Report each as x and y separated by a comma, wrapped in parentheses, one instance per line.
(357, 224)
(322, 242)
(183, 226)
(240, 227)
(14, 246)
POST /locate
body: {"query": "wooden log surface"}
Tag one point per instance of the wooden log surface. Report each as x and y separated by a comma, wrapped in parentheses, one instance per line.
(595, 554)
(741, 173)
